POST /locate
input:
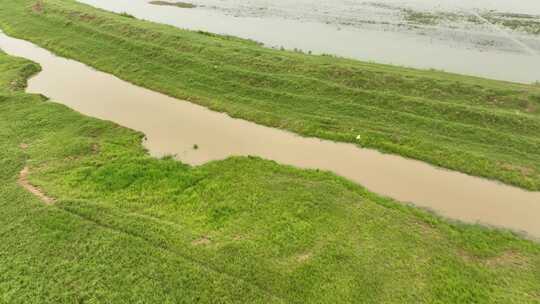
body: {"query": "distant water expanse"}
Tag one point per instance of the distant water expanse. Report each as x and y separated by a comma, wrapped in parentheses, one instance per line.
(488, 38)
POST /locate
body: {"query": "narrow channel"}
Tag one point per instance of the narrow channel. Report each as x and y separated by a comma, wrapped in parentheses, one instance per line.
(174, 126)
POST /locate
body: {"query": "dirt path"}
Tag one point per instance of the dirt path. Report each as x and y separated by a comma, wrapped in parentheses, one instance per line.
(23, 181)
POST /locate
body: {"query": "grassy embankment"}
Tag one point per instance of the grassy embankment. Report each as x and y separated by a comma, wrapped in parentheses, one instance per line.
(478, 126)
(128, 228)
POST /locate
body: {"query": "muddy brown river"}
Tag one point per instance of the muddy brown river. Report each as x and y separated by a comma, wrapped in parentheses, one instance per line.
(174, 126)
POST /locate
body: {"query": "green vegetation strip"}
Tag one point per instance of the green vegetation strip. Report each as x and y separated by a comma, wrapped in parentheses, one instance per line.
(520, 22)
(529, 24)
(176, 4)
(129, 228)
(477, 126)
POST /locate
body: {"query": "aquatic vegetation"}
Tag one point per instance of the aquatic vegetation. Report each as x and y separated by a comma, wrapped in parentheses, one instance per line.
(176, 4)
(413, 16)
(529, 24)
(519, 22)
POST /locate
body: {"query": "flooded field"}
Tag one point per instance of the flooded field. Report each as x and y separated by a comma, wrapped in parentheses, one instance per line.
(488, 38)
(176, 127)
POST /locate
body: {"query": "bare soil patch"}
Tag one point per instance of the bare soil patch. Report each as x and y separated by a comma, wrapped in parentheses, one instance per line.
(521, 169)
(38, 6)
(202, 241)
(304, 257)
(509, 258)
(23, 181)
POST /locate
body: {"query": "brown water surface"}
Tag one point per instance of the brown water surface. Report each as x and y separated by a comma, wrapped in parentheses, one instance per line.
(173, 126)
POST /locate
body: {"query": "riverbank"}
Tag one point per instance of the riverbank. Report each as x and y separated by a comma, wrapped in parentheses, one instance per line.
(477, 126)
(126, 227)
(168, 125)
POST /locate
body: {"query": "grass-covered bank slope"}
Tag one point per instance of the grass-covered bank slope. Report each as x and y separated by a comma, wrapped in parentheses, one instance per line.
(481, 127)
(128, 228)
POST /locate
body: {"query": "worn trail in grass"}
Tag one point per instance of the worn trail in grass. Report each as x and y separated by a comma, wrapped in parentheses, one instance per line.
(129, 228)
(477, 126)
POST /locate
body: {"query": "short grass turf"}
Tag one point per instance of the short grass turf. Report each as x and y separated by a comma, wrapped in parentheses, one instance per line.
(129, 228)
(477, 126)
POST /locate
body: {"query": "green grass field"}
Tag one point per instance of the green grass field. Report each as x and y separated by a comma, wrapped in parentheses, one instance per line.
(129, 228)
(477, 126)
